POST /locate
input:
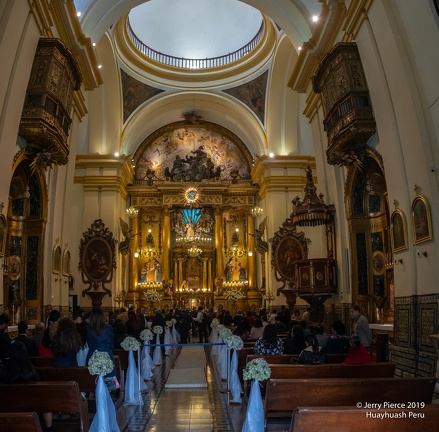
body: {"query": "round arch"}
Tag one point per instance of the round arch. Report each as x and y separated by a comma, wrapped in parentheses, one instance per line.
(216, 108)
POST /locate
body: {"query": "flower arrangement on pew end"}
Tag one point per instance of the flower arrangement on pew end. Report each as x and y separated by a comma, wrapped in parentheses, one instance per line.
(100, 363)
(234, 343)
(257, 370)
(158, 330)
(130, 344)
(146, 335)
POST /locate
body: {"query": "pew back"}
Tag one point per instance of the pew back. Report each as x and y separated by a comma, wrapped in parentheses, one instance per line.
(20, 422)
(285, 395)
(336, 419)
(46, 396)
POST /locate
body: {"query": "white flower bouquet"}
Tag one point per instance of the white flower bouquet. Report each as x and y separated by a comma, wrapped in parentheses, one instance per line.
(225, 333)
(130, 344)
(233, 294)
(215, 323)
(219, 327)
(173, 321)
(146, 335)
(152, 295)
(168, 323)
(234, 343)
(100, 363)
(256, 369)
(158, 330)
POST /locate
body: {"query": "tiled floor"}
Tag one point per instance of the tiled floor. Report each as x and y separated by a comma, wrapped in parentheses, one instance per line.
(183, 410)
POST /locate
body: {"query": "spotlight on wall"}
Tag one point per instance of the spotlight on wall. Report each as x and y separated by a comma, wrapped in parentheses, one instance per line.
(422, 254)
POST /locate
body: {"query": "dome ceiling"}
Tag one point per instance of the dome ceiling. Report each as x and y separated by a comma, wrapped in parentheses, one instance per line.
(195, 29)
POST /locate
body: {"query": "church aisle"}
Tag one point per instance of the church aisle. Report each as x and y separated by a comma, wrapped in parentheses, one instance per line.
(182, 410)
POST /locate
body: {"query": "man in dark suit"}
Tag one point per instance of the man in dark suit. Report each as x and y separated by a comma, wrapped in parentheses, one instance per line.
(30, 345)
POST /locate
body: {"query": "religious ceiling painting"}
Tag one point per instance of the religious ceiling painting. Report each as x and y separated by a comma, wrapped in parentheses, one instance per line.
(135, 93)
(253, 95)
(192, 153)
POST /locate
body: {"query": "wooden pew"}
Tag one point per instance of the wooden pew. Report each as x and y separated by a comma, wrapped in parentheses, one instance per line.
(283, 396)
(20, 422)
(86, 381)
(47, 396)
(274, 359)
(39, 361)
(335, 358)
(334, 370)
(336, 419)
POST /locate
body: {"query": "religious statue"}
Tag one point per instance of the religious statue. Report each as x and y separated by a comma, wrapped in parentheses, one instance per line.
(124, 245)
(261, 245)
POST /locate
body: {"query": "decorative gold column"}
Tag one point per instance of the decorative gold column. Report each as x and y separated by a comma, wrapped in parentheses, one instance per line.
(180, 271)
(209, 275)
(204, 273)
(133, 261)
(176, 277)
(251, 274)
(166, 244)
(219, 244)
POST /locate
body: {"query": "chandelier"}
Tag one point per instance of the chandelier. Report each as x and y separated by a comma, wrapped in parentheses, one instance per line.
(132, 212)
(194, 251)
(312, 210)
(256, 211)
(195, 240)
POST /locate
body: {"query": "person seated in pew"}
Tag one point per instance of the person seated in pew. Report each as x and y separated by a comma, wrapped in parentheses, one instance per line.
(357, 353)
(242, 330)
(257, 330)
(45, 348)
(66, 344)
(18, 369)
(338, 343)
(269, 343)
(32, 349)
(321, 336)
(120, 333)
(313, 353)
(295, 343)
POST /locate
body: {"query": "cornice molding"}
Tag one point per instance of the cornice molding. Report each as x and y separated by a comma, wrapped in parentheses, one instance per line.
(323, 39)
(266, 171)
(115, 182)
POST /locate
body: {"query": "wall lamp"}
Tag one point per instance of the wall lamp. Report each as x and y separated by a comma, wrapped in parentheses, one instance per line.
(422, 254)
(398, 261)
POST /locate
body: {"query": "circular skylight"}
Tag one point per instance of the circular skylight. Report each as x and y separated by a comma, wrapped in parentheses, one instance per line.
(195, 29)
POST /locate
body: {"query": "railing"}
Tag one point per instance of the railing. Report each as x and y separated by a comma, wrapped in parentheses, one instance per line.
(186, 63)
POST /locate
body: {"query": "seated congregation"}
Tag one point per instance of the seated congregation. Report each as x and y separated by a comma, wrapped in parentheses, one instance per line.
(47, 372)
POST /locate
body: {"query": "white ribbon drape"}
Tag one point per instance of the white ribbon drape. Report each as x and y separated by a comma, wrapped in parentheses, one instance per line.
(167, 341)
(146, 362)
(133, 383)
(105, 417)
(234, 383)
(157, 355)
(254, 419)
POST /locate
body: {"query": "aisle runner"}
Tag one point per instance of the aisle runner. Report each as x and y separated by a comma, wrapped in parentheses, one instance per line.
(189, 370)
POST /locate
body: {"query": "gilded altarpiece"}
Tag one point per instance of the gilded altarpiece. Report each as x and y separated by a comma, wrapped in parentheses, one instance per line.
(193, 190)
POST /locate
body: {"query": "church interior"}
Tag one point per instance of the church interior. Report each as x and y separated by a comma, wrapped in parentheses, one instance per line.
(293, 160)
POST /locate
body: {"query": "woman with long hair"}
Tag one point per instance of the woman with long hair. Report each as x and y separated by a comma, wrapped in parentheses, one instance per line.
(100, 337)
(66, 343)
(45, 348)
(269, 343)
